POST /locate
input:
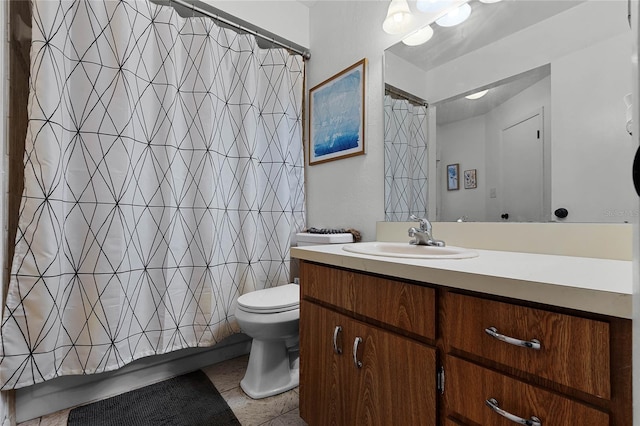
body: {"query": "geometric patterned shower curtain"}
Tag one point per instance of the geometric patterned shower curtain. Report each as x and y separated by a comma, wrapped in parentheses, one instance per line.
(405, 159)
(163, 179)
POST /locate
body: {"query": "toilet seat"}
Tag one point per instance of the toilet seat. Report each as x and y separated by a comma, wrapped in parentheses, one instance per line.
(271, 300)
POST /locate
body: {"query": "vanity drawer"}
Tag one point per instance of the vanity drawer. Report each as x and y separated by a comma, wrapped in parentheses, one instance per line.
(574, 351)
(408, 307)
(468, 387)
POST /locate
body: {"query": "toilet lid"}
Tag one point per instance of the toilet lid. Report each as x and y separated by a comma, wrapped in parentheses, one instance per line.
(275, 299)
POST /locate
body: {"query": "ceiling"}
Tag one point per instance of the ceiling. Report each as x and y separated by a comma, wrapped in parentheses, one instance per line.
(487, 24)
(460, 108)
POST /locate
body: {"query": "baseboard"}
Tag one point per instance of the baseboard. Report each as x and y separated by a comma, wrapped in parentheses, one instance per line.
(70, 391)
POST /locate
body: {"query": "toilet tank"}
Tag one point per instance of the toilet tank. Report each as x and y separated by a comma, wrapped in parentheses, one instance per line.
(309, 239)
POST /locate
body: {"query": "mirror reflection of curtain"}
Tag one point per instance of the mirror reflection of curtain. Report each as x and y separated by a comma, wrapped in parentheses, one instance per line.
(405, 150)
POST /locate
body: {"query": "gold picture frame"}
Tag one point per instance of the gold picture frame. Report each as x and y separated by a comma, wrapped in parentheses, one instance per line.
(336, 116)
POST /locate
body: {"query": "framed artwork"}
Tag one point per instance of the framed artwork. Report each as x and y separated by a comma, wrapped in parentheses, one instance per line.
(336, 116)
(452, 177)
(470, 181)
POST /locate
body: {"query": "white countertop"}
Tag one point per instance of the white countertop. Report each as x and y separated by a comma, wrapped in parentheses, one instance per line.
(600, 286)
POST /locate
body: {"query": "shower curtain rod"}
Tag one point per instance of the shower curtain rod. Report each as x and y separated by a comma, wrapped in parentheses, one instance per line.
(389, 89)
(217, 16)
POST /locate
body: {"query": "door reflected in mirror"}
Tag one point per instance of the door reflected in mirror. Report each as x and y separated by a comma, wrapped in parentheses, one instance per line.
(550, 133)
(501, 133)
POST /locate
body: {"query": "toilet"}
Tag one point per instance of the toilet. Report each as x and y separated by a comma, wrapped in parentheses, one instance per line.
(271, 317)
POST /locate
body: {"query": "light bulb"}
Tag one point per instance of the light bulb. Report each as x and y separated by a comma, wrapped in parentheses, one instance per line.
(421, 36)
(432, 5)
(477, 95)
(455, 17)
(398, 18)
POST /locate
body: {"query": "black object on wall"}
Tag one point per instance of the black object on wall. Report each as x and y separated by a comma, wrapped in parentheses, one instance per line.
(636, 171)
(561, 213)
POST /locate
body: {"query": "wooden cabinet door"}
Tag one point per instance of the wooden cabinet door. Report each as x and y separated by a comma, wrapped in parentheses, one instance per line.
(325, 390)
(394, 384)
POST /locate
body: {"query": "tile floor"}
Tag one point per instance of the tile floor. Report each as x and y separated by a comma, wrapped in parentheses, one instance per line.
(279, 410)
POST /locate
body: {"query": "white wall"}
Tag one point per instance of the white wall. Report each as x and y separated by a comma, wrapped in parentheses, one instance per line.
(635, 17)
(350, 192)
(288, 19)
(402, 74)
(463, 142)
(592, 151)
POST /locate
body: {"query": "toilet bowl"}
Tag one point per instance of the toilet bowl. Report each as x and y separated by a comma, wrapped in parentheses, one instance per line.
(271, 317)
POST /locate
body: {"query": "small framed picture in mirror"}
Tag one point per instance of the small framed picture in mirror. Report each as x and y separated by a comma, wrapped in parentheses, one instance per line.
(453, 171)
(470, 181)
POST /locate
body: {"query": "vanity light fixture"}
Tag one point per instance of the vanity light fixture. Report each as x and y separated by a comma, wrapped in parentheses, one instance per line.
(489, 1)
(455, 16)
(398, 18)
(477, 95)
(419, 37)
(431, 5)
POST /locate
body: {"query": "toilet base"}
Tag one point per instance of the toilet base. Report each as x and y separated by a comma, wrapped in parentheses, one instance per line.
(269, 371)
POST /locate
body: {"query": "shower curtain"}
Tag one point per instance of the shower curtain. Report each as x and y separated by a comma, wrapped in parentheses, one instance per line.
(405, 159)
(163, 179)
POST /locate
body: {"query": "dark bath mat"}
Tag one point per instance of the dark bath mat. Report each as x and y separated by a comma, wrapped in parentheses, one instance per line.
(188, 400)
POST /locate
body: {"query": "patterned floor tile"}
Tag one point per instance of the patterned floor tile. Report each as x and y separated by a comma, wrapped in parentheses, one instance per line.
(227, 375)
(59, 418)
(254, 412)
(292, 418)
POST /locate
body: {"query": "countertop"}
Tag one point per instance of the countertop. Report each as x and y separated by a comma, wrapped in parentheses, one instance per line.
(599, 286)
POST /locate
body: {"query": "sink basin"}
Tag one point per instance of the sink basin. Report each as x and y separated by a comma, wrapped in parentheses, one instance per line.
(409, 251)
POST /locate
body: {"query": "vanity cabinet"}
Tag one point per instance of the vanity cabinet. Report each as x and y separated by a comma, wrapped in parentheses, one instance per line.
(565, 349)
(472, 388)
(373, 349)
(563, 368)
(364, 356)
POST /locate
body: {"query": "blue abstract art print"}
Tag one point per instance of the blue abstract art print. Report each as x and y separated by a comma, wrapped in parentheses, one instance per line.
(336, 128)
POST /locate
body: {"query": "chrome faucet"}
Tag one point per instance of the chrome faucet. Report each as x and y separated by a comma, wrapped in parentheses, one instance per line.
(423, 236)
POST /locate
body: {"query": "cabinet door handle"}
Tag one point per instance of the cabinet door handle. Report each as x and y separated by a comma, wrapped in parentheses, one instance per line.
(356, 342)
(532, 344)
(336, 331)
(493, 404)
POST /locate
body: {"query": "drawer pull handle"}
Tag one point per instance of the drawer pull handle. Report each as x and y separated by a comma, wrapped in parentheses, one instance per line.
(532, 344)
(336, 331)
(356, 342)
(493, 404)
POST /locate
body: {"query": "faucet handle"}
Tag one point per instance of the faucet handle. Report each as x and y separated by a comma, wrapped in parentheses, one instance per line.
(425, 225)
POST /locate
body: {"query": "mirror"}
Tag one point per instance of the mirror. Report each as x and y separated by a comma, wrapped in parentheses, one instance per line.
(551, 131)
